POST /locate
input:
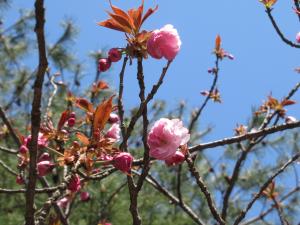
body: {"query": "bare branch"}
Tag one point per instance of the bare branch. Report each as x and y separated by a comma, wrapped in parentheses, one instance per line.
(35, 112)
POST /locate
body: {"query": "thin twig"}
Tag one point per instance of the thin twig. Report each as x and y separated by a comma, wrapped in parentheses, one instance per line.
(281, 35)
(263, 187)
(248, 136)
(20, 191)
(7, 150)
(204, 190)
(10, 170)
(10, 128)
(265, 213)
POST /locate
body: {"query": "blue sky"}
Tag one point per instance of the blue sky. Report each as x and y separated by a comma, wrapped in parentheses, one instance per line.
(263, 63)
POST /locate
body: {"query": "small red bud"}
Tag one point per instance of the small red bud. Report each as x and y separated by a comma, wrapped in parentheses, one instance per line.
(72, 115)
(104, 64)
(114, 55)
(71, 122)
(23, 149)
(20, 180)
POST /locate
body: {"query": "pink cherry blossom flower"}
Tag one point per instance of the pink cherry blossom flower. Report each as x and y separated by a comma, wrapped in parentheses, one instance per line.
(164, 43)
(123, 161)
(298, 37)
(74, 184)
(44, 167)
(165, 137)
(84, 196)
(113, 132)
(114, 55)
(177, 158)
(42, 141)
(104, 64)
(290, 119)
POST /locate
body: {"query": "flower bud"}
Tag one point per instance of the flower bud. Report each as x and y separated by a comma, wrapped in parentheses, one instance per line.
(23, 149)
(44, 167)
(72, 115)
(123, 161)
(104, 64)
(74, 184)
(113, 132)
(177, 158)
(113, 118)
(44, 157)
(19, 179)
(298, 37)
(84, 196)
(71, 122)
(114, 55)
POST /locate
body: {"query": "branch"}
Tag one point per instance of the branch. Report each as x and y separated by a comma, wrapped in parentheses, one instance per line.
(139, 112)
(7, 150)
(248, 136)
(173, 199)
(204, 190)
(198, 113)
(264, 186)
(281, 35)
(10, 128)
(265, 213)
(10, 170)
(35, 112)
(20, 191)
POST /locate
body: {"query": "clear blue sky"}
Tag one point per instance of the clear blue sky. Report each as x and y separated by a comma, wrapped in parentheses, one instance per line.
(263, 63)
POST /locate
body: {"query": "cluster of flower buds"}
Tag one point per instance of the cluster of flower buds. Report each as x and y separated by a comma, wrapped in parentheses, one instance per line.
(114, 55)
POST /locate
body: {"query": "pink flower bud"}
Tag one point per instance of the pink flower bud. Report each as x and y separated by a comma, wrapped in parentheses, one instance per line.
(71, 122)
(72, 115)
(23, 149)
(113, 118)
(104, 64)
(74, 184)
(42, 141)
(165, 137)
(20, 180)
(44, 167)
(44, 157)
(84, 196)
(177, 158)
(113, 132)
(298, 37)
(114, 55)
(63, 202)
(164, 43)
(123, 161)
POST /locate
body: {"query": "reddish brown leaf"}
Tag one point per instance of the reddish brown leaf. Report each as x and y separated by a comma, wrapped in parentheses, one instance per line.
(102, 114)
(84, 104)
(218, 43)
(102, 85)
(288, 102)
(124, 23)
(148, 13)
(110, 23)
(63, 118)
(82, 138)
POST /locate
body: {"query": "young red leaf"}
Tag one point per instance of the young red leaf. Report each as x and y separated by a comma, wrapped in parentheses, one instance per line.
(63, 118)
(288, 102)
(84, 104)
(218, 43)
(82, 138)
(102, 114)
